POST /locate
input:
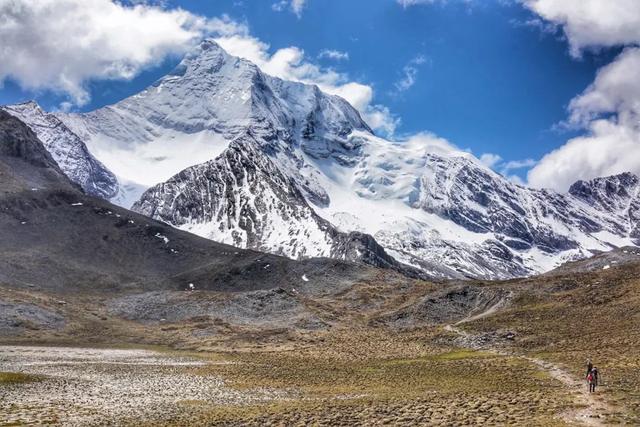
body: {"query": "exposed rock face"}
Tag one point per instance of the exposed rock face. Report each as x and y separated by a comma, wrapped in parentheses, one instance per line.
(17, 140)
(68, 150)
(26, 167)
(239, 196)
(617, 195)
(244, 199)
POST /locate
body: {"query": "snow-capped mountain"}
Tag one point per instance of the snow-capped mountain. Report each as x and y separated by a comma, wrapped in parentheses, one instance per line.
(192, 114)
(69, 151)
(243, 198)
(244, 158)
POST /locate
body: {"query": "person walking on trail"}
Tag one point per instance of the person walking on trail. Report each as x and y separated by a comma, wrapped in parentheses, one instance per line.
(589, 366)
(592, 379)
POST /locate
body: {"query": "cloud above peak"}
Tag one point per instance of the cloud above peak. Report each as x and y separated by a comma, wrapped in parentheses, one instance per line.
(590, 24)
(609, 111)
(62, 44)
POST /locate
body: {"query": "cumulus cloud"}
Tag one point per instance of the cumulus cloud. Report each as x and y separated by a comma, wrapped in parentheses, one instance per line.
(61, 44)
(609, 109)
(296, 6)
(380, 118)
(591, 23)
(616, 89)
(409, 74)
(290, 63)
(610, 148)
(336, 55)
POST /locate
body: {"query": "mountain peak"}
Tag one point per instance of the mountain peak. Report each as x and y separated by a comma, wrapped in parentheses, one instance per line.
(619, 182)
(25, 108)
(208, 44)
(25, 164)
(207, 57)
(67, 149)
(17, 140)
(612, 193)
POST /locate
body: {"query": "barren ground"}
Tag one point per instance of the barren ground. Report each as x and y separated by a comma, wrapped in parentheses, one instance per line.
(382, 352)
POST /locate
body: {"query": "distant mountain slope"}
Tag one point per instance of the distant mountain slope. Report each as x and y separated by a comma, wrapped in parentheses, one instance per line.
(247, 159)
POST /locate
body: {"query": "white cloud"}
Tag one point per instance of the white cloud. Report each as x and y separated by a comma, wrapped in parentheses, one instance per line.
(511, 165)
(290, 64)
(380, 118)
(592, 23)
(495, 162)
(616, 89)
(506, 169)
(336, 55)
(432, 143)
(516, 180)
(296, 6)
(61, 44)
(609, 148)
(409, 74)
(408, 3)
(609, 109)
(490, 159)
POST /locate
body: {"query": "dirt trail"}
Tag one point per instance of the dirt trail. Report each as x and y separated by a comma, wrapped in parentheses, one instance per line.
(591, 406)
(488, 312)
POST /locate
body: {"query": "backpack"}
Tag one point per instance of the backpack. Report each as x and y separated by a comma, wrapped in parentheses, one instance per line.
(590, 377)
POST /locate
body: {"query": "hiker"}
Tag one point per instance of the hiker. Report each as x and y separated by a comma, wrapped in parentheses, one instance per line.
(592, 379)
(589, 366)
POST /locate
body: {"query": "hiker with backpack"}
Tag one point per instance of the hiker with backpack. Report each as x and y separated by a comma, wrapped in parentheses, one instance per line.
(592, 379)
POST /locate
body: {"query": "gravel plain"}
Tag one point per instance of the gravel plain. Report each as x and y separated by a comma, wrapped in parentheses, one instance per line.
(89, 386)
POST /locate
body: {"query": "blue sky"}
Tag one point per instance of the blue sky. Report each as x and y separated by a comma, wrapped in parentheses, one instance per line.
(481, 74)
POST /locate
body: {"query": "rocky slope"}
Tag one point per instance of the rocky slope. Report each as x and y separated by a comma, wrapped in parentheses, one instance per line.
(258, 162)
(69, 151)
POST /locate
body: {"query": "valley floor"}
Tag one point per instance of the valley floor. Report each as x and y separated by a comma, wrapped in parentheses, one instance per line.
(347, 378)
(380, 352)
(88, 386)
